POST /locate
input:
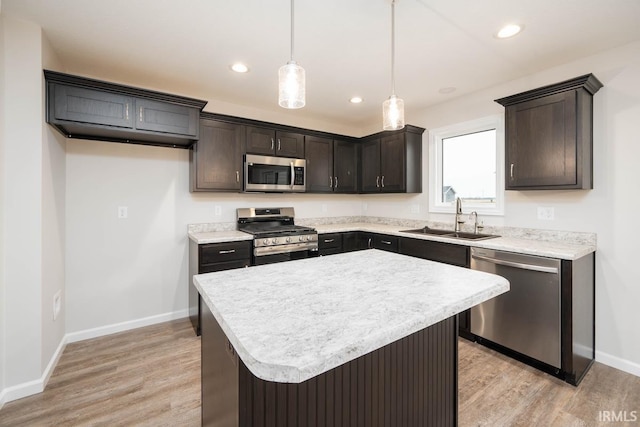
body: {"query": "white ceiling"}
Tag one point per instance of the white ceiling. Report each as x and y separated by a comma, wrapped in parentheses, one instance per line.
(344, 45)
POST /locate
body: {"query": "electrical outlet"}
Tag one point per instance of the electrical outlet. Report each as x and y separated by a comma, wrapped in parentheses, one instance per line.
(123, 212)
(57, 304)
(217, 210)
(546, 213)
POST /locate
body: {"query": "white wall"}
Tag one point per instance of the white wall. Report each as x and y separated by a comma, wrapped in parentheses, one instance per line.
(22, 202)
(608, 210)
(53, 221)
(3, 100)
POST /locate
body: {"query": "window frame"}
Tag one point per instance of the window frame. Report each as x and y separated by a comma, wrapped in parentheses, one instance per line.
(435, 165)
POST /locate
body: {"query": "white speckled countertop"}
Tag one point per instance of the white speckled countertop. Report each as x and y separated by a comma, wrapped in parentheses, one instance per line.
(554, 249)
(291, 321)
(559, 245)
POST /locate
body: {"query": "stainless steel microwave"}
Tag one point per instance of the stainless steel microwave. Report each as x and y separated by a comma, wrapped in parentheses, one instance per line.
(276, 174)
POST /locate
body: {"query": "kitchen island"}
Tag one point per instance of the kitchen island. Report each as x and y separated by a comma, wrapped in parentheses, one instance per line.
(363, 338)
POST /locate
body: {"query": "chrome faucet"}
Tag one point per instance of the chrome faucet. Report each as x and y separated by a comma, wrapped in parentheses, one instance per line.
(474, 214)
(459, 219)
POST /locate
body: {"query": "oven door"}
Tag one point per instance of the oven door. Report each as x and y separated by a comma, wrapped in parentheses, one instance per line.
(276, 174)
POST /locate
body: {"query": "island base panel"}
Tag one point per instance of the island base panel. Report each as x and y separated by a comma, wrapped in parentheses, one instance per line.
(410, 382)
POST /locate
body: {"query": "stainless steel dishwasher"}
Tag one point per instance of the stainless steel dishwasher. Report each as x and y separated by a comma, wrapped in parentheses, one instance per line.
(527, 318)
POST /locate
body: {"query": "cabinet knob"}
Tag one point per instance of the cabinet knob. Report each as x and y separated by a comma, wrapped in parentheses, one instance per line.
(237, 176)
(336, 179)
(272, 143)
(279, 144)
(377, 181)
(330, 182)
(382, 181)
(511, 171)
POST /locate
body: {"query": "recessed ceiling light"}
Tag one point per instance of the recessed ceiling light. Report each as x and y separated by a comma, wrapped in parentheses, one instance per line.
(509, 30)
(356, 100)
(446, 90)
(240, 68)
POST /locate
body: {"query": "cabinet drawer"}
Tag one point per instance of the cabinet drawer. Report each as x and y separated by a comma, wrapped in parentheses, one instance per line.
(387, 243)
(329, 243)
(223, 252)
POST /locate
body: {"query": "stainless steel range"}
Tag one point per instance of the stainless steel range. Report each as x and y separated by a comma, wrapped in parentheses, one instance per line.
(276, 237)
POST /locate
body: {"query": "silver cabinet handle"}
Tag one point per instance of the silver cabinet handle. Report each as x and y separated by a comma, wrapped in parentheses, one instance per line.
(140, 114)
(279, 144)
(272, 142)
(386, 242)
(230, 251)
(330, 182)
(237, 176)
(329, 240)
(382, 181)
(336, 182)
(369, 243)
(377, 181)
(511, 170)
(520, 265)
(126, 111)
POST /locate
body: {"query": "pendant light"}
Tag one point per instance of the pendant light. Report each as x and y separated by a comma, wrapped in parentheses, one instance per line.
(291, 80)
(393, 108)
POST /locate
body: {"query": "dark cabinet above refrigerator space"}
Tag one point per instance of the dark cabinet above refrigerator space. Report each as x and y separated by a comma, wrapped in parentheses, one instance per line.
(92, 109)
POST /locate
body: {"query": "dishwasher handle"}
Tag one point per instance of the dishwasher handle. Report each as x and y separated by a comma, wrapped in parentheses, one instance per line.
(520, 265)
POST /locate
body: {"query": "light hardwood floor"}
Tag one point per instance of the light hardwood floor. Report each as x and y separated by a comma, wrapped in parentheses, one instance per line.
(151, 377)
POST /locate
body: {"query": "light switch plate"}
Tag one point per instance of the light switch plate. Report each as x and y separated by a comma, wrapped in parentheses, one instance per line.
(123, 212)
(57, 304)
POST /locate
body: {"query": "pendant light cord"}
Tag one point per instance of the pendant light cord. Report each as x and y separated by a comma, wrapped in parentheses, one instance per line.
(291, 30)
(393, 45)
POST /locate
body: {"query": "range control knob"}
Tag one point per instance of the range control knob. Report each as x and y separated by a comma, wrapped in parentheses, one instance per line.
(309, 238)
(274, 241)
(288, 239)
(301, 238)
(265, 241)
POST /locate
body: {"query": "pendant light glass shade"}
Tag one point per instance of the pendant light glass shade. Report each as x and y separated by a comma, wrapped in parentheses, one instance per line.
(291, 80)
(393, 113)
(291, 86)
(393, 108)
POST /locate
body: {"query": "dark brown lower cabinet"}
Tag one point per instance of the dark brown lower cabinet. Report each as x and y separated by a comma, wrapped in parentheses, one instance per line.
(210, 257)
(410, 382)
(330, 243)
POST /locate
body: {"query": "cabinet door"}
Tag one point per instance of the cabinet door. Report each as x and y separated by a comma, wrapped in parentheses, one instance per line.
(371, 166)
(164, 117)
(216, 162)
(540, 145)
(261, 141)
(319, 155)
(392, 164)
(92, 106)
(345, 167)
(435, 251)
(289, 144)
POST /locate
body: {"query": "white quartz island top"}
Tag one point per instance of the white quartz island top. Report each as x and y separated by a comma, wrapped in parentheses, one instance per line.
(294, 320)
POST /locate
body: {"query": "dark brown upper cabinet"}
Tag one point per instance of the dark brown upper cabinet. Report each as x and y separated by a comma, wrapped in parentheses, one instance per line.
(216, 159)
(272, 142)
(92, 109)
(332, 165)
(392, 162)
(549, 136)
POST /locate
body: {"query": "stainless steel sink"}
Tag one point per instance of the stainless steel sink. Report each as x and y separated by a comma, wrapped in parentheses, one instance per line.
(427, 230)
(451, 234)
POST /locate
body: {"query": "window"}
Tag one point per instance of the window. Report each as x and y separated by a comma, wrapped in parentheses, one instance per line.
(466, 161)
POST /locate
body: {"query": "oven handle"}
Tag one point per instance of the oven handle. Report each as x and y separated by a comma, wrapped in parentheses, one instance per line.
(520, 265)
(283, 249)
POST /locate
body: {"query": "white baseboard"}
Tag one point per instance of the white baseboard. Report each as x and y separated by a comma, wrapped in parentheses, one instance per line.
(37, 386)
(125, 326)
(618, 363)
